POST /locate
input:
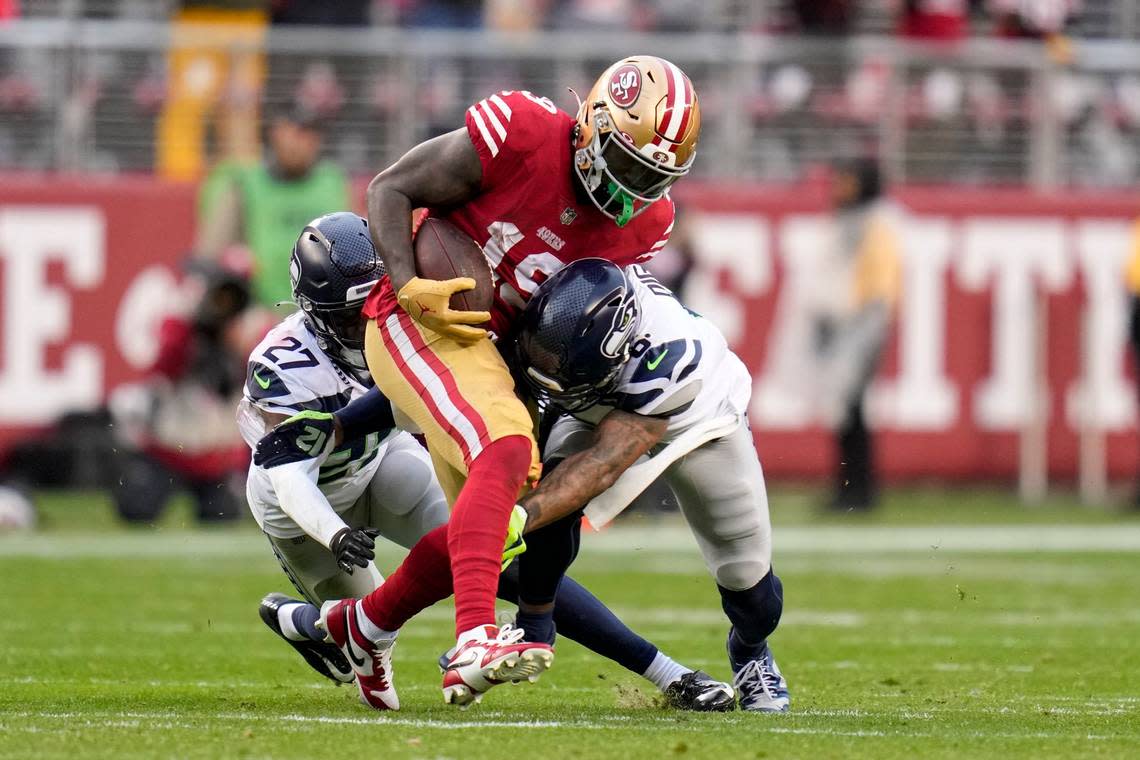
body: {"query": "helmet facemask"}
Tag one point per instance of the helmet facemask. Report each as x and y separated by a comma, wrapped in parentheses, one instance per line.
(546, 371)
(621, 180)
(549, 390)
(339, 329)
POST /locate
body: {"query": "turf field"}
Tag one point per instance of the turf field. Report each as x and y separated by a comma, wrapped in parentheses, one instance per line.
(950, 625)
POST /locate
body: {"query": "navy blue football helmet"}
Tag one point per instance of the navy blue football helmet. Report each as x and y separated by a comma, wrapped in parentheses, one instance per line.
(575, 334)
(333, 268)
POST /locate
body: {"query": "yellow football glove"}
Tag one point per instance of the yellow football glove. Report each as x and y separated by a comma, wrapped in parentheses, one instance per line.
(514, 545)
(429, 303)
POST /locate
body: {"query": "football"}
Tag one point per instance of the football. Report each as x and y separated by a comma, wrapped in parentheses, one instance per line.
(443, 253)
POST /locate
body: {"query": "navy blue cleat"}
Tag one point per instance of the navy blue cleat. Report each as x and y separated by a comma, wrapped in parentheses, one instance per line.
(325, 658)
(759, 685)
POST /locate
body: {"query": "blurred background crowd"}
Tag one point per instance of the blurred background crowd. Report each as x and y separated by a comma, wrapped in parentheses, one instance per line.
(966, 90)
(253, 116)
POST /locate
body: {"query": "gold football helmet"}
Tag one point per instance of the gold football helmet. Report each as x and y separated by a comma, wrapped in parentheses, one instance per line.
(637, 135)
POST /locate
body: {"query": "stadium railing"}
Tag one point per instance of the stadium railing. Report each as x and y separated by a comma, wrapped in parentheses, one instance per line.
(80, 95)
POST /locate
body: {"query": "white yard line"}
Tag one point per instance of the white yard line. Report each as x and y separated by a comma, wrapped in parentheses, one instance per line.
(166, 720)
(910, 626)
(672, 538)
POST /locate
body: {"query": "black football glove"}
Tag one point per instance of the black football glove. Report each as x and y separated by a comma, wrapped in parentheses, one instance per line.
(305, 435)
(353, 547)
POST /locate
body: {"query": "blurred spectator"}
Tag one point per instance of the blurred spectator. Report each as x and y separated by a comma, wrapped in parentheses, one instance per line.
(1039, 19)
(1043, 20)
(262, 205)
(1132, 282)
(858, 286)
(178, 423)
(594, 14)
(515, 15)
(452, 14)
(938, 20)
(824, 17)
(339, 13)
(216, 67)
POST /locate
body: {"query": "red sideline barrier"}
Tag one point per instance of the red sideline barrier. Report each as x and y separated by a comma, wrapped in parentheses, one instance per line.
(85, 265)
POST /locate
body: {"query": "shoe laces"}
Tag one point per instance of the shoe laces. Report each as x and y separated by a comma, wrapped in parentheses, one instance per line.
(757, 674)
(508, 634)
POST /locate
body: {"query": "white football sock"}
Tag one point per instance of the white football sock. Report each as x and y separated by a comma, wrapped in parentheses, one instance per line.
(664, 671)
(285, 620)
(371, 631)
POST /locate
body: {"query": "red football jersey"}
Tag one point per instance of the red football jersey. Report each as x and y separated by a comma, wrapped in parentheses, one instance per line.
(528, 217)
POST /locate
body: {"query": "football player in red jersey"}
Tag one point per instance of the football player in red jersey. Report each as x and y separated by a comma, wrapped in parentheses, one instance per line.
(536, 188)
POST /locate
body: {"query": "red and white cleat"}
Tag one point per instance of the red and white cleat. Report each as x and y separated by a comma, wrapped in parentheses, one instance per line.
(371, 661)
(488, 656)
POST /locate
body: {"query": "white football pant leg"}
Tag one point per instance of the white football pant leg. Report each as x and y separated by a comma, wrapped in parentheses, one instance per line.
(405, 499)
(314, 571)
(720, 489)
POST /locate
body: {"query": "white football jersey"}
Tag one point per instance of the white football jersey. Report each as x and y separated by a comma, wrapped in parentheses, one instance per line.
(289, 373)
(680, 365)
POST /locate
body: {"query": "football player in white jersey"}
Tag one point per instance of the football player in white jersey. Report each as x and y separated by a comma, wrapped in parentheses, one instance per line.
(641, 387)
(322, 514)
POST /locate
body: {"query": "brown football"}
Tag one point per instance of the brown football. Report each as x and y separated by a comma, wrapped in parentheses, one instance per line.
(443, 252)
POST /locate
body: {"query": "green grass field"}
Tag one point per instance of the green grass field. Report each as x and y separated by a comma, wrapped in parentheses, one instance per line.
(950, 625)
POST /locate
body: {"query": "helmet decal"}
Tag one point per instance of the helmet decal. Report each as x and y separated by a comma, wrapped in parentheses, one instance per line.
(360, 291)
(625, 85)
(637, 128)
(674, 110)
(616, 344)
(294, 269)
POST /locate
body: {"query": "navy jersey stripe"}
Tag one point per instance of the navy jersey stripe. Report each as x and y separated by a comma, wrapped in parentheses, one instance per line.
(692, 365)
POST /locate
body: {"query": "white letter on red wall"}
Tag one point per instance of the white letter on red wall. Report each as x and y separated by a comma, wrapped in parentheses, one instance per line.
(1102, 398)
(921, 397)
(37, 314)
(1013, 254)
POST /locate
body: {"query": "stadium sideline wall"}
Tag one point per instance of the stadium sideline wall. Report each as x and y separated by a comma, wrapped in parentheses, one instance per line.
(88, 267)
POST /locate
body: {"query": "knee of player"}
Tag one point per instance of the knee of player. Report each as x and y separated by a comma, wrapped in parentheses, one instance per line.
(512, 453)
(407, 483)
(740, 575)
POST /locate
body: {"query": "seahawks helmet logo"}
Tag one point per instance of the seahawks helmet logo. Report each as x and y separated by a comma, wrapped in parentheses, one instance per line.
(616, 344)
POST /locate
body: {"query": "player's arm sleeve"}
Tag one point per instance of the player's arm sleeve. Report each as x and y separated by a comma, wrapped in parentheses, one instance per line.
(295, 485)
(506, 128)
(665, 382)
(371, 413)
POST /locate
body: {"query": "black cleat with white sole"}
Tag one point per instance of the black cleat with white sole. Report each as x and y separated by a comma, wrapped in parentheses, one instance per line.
(700, 692)
(325, 658)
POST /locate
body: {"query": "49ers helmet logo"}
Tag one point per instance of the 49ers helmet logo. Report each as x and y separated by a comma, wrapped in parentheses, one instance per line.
(625, 85)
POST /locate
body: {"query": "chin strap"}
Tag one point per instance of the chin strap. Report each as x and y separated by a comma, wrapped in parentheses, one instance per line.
(626, 214)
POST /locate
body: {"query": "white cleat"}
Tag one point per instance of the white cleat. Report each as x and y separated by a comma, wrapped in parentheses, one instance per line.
(489, 656)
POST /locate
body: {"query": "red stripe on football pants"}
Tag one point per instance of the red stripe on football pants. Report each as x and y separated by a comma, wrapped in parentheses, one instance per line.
(443, 373)
(441, 419)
